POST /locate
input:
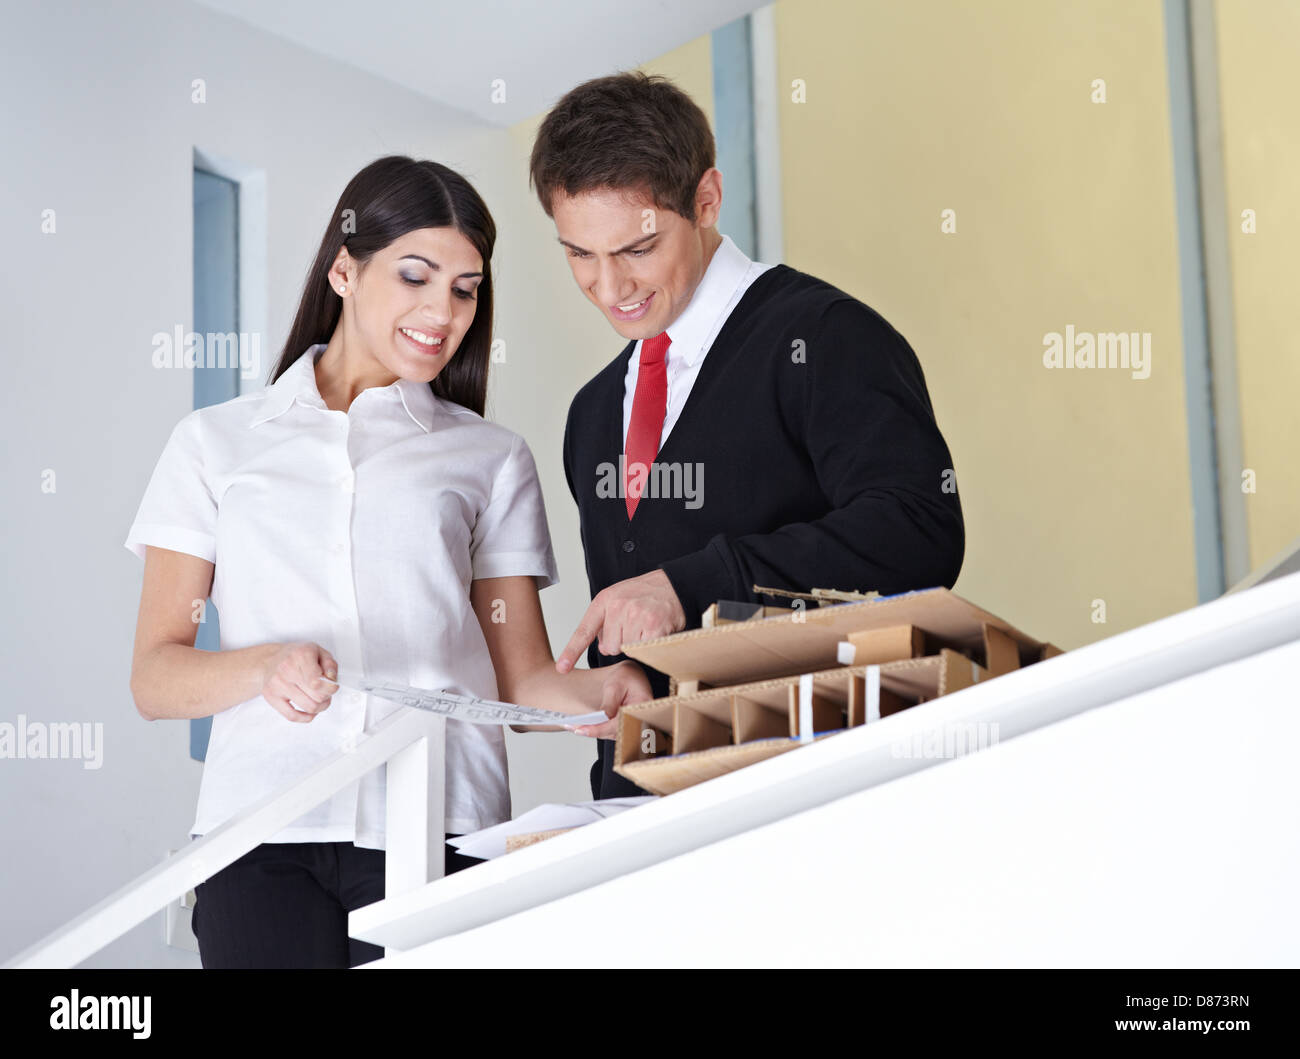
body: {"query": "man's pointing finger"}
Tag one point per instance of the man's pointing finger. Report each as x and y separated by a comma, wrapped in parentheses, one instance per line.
(582, 637)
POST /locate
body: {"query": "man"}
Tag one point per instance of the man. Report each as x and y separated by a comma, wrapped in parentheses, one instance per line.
(808, 411)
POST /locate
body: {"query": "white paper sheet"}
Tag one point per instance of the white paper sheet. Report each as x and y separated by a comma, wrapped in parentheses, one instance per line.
(463, 707)
(491, 841)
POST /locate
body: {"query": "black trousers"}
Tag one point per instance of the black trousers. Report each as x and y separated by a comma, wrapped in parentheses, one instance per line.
(286, 905)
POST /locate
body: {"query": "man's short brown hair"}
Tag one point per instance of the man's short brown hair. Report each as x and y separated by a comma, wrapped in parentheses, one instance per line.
(628, 131)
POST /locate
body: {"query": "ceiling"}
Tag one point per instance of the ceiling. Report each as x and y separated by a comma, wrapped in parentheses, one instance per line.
(452, 52)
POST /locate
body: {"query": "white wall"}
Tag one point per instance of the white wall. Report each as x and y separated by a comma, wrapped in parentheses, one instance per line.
(99, 126)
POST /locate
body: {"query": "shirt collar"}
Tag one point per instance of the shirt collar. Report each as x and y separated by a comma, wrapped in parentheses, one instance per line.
(298, 383)
(693, 326)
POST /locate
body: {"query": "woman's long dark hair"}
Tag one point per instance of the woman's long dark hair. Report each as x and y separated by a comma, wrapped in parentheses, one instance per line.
(388, 198)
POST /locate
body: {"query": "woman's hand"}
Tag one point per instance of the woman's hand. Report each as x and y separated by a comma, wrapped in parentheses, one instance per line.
(623, 683)
(525, 670)
(299, 680)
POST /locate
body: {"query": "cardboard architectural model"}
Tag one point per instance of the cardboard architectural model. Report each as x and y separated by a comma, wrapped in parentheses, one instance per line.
(744, 691)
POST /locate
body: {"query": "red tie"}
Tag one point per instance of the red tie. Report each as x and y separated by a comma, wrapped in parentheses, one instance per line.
(648, 406)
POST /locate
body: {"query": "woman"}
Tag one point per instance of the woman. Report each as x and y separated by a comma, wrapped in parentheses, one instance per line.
(357, 512)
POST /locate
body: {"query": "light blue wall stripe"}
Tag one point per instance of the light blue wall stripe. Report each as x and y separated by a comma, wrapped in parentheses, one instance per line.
(733, 121)
(216, 310)
(1201, 436)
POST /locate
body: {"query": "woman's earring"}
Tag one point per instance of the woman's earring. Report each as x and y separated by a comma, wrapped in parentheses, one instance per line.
(342, 289)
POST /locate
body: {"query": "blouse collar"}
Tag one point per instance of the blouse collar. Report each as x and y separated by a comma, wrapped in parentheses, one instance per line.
(298, 383)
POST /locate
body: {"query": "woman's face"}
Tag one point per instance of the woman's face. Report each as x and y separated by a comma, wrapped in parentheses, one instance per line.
(414, 300)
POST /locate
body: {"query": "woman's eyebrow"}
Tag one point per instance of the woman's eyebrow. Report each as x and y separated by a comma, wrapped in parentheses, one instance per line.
(438, 268)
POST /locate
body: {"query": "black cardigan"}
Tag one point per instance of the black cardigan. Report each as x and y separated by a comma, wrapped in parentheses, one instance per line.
(815, 462)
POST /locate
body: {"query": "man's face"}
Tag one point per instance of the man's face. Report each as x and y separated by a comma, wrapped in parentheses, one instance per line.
(639, 264)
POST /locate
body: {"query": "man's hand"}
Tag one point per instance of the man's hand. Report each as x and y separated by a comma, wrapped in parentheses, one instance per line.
(624, 684)
(639, 608)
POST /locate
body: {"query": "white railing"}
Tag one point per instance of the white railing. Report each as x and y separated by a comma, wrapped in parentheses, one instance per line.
(410, 743)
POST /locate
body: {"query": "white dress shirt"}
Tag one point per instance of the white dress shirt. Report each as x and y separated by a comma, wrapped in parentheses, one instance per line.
(360, 531)
(724, 282)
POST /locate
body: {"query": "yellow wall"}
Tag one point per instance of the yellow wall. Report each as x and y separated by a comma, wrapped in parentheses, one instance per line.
(1074, 484)
(1259, 88)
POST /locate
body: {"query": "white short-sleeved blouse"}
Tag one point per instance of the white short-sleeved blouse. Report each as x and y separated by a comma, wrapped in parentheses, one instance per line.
(360, 531)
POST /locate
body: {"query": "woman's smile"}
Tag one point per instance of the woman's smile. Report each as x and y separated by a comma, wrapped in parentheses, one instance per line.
(429, 343)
